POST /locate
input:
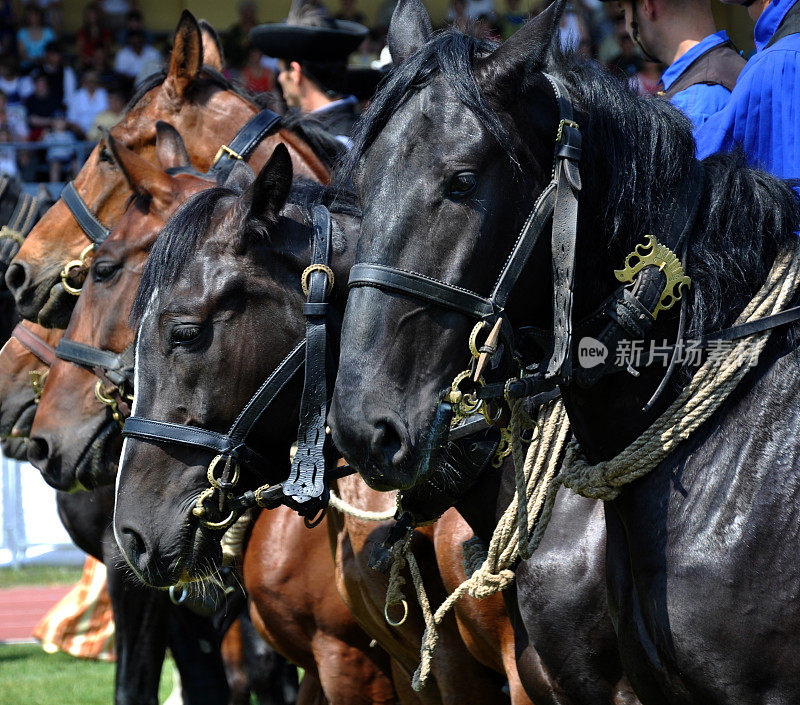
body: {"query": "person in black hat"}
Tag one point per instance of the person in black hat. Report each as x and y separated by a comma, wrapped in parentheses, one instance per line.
(703, 64)
(312, 52)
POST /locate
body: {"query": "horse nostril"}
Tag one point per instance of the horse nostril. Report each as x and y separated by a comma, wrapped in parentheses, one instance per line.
(38, 451)
(15, 276)
(133, 546)
(388, 442)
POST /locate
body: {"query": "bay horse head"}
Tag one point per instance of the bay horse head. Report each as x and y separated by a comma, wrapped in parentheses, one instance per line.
(202, 105)
(24, 365)
(75, 439)
(219, 309)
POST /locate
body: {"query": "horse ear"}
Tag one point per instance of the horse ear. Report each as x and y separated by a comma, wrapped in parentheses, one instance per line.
(240, 178)
(526, 49)
(187, 56)
(409, 29)
(170, 148)
(144, 178)
(268, 193)
(212, 47)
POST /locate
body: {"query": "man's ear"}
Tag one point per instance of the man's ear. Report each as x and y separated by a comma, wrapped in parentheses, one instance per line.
(186, 61)
(409, 29)
(524, 51)
(650, 9)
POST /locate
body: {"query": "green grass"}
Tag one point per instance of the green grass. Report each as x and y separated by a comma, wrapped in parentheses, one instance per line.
(40, 575)
(29, 676)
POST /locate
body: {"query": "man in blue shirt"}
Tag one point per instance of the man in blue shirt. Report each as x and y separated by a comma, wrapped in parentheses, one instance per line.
(703, 63)
(763, 113)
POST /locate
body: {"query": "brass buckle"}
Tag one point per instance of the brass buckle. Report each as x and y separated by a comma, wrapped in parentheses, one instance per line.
(67, 272)
(199, 511)
(562, 125)
(225, 149)
(37, 382)
(218, 483)
(104, 397)
(316, 268)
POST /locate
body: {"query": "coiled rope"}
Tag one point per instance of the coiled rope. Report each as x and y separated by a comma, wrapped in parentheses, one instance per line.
(537, 476)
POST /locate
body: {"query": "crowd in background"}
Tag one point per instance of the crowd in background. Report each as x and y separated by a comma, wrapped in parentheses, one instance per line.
(57, 88)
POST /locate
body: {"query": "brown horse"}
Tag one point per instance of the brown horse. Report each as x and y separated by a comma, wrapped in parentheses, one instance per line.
(196, 99)
(296, 606)
(24, 364)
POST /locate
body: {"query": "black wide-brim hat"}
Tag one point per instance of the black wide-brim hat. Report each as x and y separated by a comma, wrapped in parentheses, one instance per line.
(303, 43)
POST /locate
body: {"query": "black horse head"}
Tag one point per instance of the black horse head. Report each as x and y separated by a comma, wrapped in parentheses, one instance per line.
(219, 308)
(451, 157)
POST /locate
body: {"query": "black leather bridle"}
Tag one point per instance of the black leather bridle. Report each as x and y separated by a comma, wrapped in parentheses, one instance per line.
(559, 199)
(305, 490)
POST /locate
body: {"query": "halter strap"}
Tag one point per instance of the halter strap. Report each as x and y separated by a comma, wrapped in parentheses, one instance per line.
(91, 226)
(244, 143)
(34, 344)
(116, 367)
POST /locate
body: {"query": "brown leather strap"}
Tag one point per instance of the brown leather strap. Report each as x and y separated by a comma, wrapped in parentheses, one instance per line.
(720, 65)
(34, 344)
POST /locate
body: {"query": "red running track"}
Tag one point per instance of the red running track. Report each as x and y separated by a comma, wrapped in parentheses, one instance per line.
(21, 608)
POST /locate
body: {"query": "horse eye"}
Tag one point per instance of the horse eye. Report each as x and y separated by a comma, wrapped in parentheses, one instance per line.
(462, 184)
(105, 156)
(103, 270)
(185, 333)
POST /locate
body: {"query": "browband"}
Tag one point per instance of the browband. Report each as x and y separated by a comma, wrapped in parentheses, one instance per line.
(91, 226)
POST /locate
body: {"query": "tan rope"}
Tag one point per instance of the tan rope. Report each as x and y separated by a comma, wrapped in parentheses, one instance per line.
(520, 529)
(341, 506)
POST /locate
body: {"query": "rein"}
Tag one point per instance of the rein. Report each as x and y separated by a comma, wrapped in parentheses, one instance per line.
(305, 489)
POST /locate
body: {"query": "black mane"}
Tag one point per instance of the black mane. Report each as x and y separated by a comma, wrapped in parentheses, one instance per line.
(177, 243)
(744, 216)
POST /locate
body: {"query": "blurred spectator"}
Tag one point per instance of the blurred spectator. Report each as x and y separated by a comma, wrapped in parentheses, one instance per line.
(100, 63)
(347, 11)
(53, 15)
(60, 77)
(136, 57)
(368, 51)
(42, 105)
(92, 34)
(384, 15)
(61, 154)
(8, 155)
(33, 36)
(8, 28)
(108, 118)
(134, 20)
(257, 78)
(512, 19)
(116, 12)
(573, 30)
(16, 87)
(87, 103)
(237, 43)
(13, 120)
(478, 8)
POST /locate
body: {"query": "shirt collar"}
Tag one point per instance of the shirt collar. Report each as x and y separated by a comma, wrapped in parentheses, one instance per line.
(679, 66)
(770, 20)
(347, 100)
